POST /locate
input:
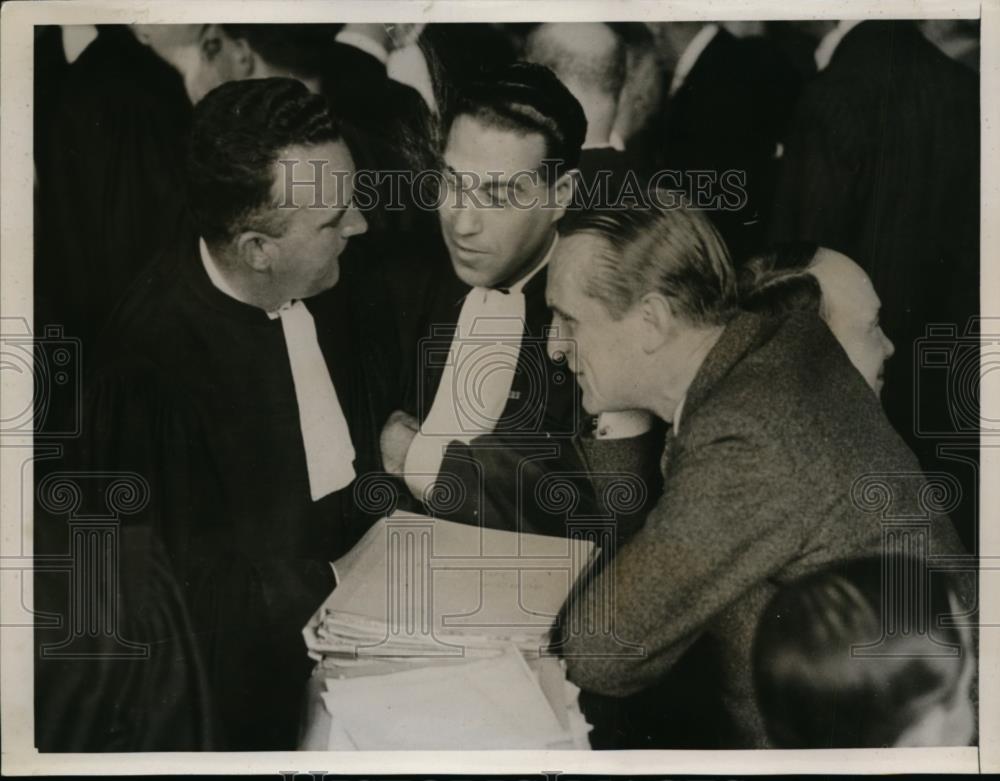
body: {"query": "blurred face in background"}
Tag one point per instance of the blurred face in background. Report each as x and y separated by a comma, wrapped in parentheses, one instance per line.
(493, 222)
(206, 56)
(850, 308)
(194, 51)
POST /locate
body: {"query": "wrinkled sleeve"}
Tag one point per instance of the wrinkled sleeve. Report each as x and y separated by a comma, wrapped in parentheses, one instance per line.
(719, 528)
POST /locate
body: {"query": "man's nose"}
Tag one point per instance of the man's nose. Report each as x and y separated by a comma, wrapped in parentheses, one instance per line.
(357, 225)
(464, 217)
(890, 348)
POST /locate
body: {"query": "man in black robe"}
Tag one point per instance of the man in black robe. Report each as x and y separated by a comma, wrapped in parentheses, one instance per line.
(243, 387)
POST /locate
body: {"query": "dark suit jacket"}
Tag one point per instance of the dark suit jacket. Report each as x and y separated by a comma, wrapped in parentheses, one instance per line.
(882, 164)
(607, 178)
(729, 114)
(760, 486)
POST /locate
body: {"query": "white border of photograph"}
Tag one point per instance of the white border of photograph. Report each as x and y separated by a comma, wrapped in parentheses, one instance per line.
(16, 265)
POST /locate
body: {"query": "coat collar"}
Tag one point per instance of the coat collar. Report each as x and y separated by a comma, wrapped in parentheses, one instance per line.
(742, 335)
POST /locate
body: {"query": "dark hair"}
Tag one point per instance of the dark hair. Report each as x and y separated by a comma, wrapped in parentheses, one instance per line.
(817, 690)
(778, 281)
(603, 70)
(675, 252)
(238, 131)
(527, 98)
(300, 49)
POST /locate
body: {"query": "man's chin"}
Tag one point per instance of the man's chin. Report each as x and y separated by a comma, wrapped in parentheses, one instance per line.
(322, 287)
(470, 276)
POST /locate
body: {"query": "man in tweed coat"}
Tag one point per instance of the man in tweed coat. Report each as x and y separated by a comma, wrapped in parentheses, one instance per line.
(776, 451)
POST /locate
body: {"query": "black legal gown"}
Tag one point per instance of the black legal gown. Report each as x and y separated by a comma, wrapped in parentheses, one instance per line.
(195, 394)
(109, 145)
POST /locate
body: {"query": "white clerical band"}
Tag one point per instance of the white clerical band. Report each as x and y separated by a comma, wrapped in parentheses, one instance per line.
(475, 384)
(327, 440)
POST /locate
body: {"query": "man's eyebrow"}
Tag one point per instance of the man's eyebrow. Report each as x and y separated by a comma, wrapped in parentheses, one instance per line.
(504, 182)
(560, 312)
(338, 213)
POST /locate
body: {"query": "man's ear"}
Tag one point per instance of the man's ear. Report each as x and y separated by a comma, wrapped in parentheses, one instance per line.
(657, 321)
(257, 251)
(563, 190)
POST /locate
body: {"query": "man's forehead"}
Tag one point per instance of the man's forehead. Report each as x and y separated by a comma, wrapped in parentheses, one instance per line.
(314, 175)
(580, 248)
(844, 283)
(569, 267)
(482, 149)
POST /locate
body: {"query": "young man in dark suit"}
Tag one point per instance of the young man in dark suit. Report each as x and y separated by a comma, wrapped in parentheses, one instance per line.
(495, 421)
(775, 436)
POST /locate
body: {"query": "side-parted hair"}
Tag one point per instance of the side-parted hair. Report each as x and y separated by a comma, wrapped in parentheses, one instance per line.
(778, 281)
(527, 98)
(815, 692)
(238, 133)
(674, 252)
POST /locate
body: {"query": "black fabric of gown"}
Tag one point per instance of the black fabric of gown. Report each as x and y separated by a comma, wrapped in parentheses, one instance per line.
(110, 193)
(196, 395)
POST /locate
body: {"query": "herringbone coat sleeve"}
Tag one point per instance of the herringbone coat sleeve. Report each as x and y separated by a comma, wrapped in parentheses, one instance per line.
(722, 525)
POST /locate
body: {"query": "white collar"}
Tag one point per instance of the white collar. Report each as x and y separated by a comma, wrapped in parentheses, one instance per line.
(691, 54)
(827, 46)
(214, 275)
(219, 282)
(76, 38)
(408, 66)
(598, 145)
(364, 43)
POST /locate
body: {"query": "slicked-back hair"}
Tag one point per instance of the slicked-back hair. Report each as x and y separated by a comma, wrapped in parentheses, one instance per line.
(778, 281)
(815, 692)
(674, 252)
(238, 133)
(527, 98)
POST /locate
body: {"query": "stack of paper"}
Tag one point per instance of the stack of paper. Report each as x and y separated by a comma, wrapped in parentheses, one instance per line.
(489, 704)
(418, 588)
(435, 638)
